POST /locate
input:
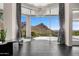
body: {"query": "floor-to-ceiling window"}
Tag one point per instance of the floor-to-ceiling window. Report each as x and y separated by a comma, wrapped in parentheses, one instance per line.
(45, 27)
(75, 28)
(23, 26)
(75, 31)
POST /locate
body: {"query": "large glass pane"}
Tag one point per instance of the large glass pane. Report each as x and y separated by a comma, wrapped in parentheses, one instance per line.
(75, 28)
(44, 27)
(23, 26)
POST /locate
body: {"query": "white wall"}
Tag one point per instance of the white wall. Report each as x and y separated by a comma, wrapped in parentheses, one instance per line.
(1, 5)
(10, 20)
(68, 24)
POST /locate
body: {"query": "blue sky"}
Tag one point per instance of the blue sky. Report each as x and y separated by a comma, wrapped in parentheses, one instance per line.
(51, 21)
(75, 25)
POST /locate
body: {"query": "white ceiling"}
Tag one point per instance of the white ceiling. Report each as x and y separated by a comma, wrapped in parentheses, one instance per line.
(39, 4)
(1, 5)
(45, 8)
(40, 9)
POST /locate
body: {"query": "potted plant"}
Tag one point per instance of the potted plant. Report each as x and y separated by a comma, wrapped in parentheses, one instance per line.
(2, 35)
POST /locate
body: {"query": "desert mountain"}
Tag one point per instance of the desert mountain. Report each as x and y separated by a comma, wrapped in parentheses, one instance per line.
(40, 29)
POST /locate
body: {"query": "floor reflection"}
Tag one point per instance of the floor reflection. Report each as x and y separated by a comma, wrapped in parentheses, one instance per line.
(64, 50)
(44, 48)
(25, 49)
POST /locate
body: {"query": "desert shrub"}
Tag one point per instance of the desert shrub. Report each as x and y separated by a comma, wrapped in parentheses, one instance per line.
(23, 33)
(54, 34)
(76, 33)
(33, 34)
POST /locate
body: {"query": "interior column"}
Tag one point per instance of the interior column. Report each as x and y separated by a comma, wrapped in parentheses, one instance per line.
(28, 27)
(10, 20)
(68, 24)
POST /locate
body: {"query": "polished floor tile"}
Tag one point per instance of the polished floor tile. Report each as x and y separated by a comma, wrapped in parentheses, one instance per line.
(44, 48)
